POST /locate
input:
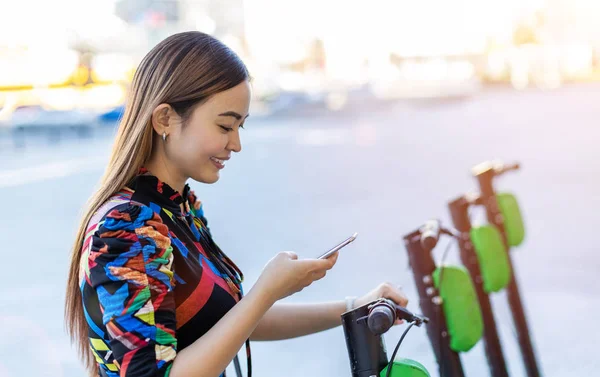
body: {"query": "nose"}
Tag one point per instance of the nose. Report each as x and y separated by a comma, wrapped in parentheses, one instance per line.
(234, 144)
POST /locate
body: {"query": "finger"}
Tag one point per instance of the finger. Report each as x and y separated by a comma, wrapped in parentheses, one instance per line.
(399, 322)
(396, 295)
(332, 259)
(292, 255)
(315, 265)
(318, 275)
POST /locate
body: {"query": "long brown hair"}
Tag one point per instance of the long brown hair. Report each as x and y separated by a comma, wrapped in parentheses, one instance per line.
(183, 70)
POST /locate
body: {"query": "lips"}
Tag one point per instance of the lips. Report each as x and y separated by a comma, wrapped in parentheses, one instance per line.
(219, 162)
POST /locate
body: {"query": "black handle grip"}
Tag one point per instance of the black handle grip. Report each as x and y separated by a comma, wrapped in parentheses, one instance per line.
(381, 318)
(384, 312)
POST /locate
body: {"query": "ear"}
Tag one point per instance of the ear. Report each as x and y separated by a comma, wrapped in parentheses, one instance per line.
(162, 118)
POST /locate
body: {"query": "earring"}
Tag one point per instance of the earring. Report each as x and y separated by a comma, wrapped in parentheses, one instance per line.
(164, 136)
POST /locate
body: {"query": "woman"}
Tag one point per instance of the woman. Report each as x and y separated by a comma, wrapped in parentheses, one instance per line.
(149, 292)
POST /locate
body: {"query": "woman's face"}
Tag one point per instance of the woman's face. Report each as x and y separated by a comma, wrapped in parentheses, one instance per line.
(200, 148)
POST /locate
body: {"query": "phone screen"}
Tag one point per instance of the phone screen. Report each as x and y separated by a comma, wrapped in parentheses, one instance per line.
(338, 247)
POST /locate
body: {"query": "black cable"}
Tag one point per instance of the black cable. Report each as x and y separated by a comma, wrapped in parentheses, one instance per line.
(391, 364)
(236, 364)
(444, 255)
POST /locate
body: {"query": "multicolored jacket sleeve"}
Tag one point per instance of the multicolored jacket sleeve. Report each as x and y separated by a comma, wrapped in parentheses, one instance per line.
(130, 267)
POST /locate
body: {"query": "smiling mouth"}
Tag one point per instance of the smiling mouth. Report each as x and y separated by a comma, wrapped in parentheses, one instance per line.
(218, 162)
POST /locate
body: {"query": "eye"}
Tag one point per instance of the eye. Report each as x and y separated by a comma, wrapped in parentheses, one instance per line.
(227, 129)
(242, 126)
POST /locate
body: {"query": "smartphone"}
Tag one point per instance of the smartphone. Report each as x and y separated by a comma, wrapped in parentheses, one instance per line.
(328, 253)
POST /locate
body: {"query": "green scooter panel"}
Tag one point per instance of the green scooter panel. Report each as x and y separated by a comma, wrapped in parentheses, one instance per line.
(461, 306)
(492, 257)
(406, 368)
(513, 221)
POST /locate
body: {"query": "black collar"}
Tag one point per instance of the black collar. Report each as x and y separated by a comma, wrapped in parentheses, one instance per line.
(161, 193)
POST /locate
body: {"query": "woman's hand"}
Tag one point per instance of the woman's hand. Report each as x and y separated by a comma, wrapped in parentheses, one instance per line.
(285, 274)
(384, 290)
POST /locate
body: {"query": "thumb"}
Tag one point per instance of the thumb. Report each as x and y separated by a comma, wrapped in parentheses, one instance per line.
(292, 255)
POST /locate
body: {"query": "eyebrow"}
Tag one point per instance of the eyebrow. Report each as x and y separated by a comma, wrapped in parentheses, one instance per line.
(233, 114)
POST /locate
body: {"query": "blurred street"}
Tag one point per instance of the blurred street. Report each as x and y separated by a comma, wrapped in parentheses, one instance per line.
(307, 179)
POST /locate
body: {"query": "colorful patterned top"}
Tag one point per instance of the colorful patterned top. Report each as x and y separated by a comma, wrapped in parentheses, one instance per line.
(152, 279)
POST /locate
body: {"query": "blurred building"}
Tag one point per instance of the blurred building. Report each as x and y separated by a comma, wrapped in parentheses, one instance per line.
(150, 11)
(161, 18)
